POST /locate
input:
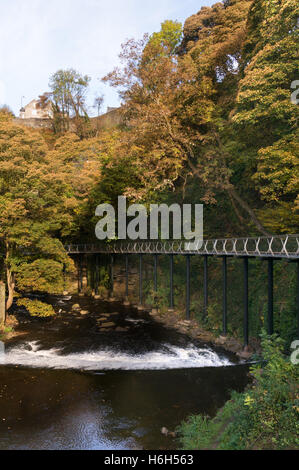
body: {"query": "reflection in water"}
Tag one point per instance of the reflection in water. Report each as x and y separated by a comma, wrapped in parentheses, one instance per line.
(122, 389)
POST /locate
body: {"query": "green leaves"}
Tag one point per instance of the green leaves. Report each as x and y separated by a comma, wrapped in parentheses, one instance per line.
(263, 417)
(36, 308)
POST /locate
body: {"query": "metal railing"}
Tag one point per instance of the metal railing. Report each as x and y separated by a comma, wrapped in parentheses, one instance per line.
(285, 246)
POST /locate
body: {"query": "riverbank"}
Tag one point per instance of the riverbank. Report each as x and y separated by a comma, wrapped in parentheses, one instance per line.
(8, 331)
(172, 319)
(195, 331)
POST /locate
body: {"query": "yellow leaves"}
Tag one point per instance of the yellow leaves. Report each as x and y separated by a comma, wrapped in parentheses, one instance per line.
(248, 401)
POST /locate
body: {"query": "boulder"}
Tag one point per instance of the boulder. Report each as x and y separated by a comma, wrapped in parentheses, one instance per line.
(107, 325)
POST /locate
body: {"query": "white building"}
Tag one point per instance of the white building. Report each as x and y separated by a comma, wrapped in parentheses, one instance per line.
(34, 110)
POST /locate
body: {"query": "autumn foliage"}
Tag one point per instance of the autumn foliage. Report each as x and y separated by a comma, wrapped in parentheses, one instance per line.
(206, 117)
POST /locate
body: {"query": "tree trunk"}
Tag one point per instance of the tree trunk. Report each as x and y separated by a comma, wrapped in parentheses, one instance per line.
(10, 279)
(10, 287)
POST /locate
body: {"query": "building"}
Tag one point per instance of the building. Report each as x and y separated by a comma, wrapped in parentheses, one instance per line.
(34, 110)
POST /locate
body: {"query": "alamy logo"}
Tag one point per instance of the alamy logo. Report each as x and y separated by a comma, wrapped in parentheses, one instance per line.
(295, 94)
(295, 354)
(134, 223)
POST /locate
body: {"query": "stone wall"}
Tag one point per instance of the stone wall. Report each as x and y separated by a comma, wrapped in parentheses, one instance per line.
(106, 121)
(34, 123)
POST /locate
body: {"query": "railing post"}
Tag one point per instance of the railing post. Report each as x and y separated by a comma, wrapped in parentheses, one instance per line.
(246, 296)
(270, 297)
(2, 304)
(188, 257)
(126, 302)
(171, 297)
(224, 319)
(140, 306)
(206, 286)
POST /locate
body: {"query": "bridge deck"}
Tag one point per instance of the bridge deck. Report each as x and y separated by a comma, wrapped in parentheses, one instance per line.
(279, 247)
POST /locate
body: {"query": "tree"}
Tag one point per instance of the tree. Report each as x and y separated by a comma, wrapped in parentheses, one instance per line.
(5, 109)
(68, 96)
(42, 191)
(98, 103)
(178, 101)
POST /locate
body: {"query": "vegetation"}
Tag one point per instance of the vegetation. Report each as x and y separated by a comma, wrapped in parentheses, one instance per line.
(263, 417)
(207, 117)
(36, 308)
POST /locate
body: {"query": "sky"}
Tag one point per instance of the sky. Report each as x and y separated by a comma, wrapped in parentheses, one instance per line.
(38, 37)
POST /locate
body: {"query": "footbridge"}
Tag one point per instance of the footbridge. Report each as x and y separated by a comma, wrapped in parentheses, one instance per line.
(268, 249)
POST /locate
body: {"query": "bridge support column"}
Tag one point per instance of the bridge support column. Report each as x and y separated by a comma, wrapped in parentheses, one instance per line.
(270, 297)
(2, 304)
(111, 293)
(206, 287)
(64, 280)
(84, 271)
(298, 299)
(171, 296)
(97, 277)
(126, 301)
(246, 310)
(140, 306)
(80, 275)
(188, 266)
(92, 274)
(224, 299)
(155, 308)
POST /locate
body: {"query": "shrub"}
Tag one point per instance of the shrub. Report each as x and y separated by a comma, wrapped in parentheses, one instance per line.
(36, 308)
(263, 417)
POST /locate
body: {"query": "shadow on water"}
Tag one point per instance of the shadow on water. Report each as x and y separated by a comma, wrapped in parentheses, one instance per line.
(71, 384)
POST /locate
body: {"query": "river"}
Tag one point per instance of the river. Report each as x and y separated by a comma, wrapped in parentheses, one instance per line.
(109, 379)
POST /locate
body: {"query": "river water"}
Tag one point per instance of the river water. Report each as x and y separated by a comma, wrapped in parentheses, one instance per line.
(110, 379)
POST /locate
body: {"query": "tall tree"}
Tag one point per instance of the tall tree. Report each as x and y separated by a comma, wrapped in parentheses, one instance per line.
(264, 116)
(68, 95)
(178, 101)
(41, 195)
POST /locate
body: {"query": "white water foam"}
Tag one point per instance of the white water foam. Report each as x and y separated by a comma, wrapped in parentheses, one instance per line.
(30, 354)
